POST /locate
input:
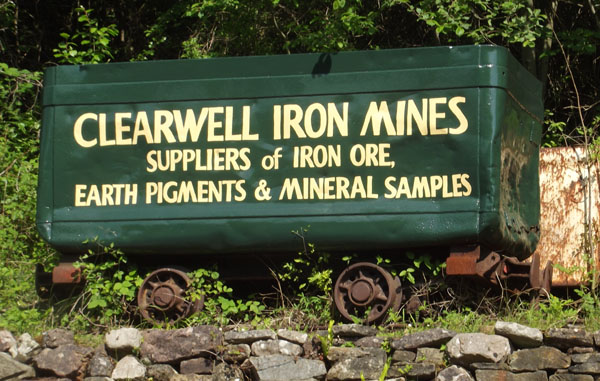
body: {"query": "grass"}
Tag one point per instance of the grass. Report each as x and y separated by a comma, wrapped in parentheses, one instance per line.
(452, 305)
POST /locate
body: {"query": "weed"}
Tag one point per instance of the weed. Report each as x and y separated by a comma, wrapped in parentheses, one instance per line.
(219, 306)
(386, 368)
(110, 288)
(404, 370)
(308, 276)
(465, 320)
(327, 341)
(309, 272)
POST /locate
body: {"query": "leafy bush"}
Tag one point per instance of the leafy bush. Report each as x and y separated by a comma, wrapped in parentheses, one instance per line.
(20, 246)
(89, 43)
(109, 291)
(219, 306)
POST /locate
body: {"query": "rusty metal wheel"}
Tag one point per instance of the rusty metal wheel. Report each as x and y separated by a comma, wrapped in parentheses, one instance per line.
(163, 296)
(366, 291)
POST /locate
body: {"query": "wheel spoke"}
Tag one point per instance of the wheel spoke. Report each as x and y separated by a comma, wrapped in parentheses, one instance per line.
(346, 285)
(381, 296)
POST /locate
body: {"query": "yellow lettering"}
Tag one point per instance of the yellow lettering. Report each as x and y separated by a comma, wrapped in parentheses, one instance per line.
(375, 115)
(152, 190)
(420, 118)
(308, 120)
(191, 126)
(78, 130)
(445, 193)
(464, 179)
(436, 184)
(229, 135)
(93, 196)
(420, 188)
(80, 194)
(246, 135)
(214, 125)
(163, 120)
(142, 128)
(292, 122)
(456, 185)
(104, 141)
(403, 188)
(277, 122)
(400, 110)
(391, 189)
(334, 118)
(434, 115)
(120, 128)
(463, 123)
(107, 192)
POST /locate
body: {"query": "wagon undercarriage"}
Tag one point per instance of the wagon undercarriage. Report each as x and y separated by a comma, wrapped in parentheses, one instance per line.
(363, 290)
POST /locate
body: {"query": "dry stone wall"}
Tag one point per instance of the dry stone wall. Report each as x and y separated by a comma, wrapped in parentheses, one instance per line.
(345, 352)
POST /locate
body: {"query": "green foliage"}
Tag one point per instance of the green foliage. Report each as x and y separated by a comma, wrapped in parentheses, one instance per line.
(20, 245)
(219, 306)
(110, 288)
(405, 369)
(327, 341)
(387, 347)
(480, 21)
(422, 264)
(310, 271)
(325, 28)
(554, 135)
(89, 43)
(19, 314)
(463, 320)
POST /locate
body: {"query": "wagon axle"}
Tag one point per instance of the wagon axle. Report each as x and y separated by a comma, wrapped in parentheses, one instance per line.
(480, 263)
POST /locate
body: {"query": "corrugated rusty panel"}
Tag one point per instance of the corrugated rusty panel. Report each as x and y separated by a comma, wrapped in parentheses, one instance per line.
(565, 204)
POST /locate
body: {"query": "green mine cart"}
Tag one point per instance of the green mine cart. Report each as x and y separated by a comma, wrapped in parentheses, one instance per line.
(374, 150)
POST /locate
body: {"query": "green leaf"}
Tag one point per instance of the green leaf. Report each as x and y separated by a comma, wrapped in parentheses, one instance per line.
(337, 4)
(96, 302)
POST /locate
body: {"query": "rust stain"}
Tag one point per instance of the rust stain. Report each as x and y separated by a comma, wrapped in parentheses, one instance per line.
(566, 204)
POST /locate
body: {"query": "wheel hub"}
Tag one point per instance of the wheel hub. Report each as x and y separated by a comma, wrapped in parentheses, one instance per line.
(163, 297)
(361, 292)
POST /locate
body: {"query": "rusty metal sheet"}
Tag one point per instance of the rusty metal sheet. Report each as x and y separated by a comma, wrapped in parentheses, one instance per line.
(66, 273)
(569, 196)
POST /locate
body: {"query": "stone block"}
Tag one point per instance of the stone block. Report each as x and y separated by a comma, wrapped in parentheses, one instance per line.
(520, 335)
(538, 359)
(467, 348)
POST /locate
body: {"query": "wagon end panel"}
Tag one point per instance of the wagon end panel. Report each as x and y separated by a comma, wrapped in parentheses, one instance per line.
(511, 225)
(45, 195)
